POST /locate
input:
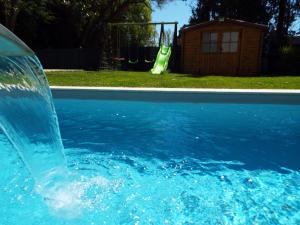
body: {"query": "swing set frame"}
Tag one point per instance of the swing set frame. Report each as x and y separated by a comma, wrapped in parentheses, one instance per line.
(161, 35)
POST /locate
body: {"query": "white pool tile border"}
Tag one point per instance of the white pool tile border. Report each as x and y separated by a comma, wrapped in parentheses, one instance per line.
(199, 90)
(264, 96)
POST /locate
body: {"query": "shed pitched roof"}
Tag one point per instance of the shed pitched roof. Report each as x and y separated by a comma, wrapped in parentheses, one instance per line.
(226, 21)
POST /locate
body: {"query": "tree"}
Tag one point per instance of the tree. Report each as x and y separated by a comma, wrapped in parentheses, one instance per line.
(10, 10)
(70, 23)
(139, 35)
(278, 14)
(94, 24)
(287, 12)
(205, 10)
(258, 11)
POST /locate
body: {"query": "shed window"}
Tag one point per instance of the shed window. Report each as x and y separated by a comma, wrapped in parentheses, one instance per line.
(209, 42)
(230, 41)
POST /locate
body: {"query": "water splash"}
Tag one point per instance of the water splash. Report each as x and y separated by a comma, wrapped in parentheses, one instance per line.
(69, 199)
(29, 120)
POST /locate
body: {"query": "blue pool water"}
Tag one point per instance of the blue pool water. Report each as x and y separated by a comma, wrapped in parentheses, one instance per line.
(165, 163)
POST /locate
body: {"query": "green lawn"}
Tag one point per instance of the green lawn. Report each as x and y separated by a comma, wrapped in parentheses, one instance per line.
(171, 80)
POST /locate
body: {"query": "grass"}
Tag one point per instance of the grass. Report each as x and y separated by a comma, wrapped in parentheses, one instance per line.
(170, 80)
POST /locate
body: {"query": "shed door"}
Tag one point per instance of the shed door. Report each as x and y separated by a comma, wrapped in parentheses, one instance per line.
(209, 55)
(220, 52)
(229, 53)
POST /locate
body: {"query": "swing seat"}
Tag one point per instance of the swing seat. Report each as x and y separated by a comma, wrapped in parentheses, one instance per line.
(149, 61)
(133, 62)
(118, 59)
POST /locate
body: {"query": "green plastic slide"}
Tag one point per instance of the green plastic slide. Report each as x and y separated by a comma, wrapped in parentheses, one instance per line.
(162, 60)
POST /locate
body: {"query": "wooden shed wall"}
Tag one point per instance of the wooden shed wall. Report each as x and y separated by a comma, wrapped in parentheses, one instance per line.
(191, 48)
(251, 51)
(246, 61)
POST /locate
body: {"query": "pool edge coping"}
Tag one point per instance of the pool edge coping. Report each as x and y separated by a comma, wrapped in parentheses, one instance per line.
(180, 90)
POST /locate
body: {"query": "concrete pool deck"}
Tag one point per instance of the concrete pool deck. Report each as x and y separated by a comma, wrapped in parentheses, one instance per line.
(255, 96)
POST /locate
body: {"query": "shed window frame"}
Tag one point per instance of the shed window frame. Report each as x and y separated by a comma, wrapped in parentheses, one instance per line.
(209, 42)
(230, 42)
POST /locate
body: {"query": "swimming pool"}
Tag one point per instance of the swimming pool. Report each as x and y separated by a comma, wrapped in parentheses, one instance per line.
(168, 163)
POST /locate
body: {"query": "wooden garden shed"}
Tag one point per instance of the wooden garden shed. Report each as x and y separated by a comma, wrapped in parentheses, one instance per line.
(227, 47)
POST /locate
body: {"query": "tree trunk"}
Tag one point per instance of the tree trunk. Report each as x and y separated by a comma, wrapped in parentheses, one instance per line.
(11, 11)
(280, 31)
